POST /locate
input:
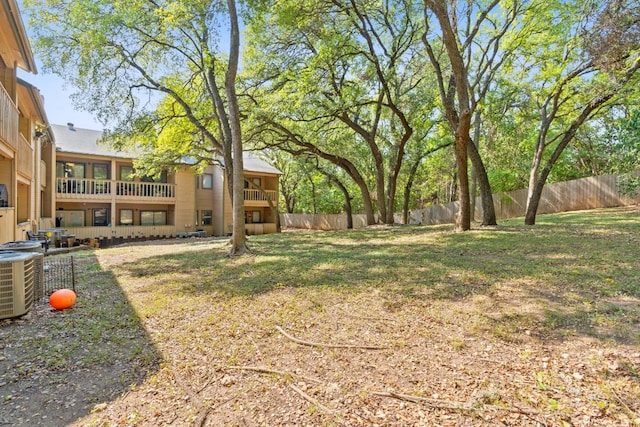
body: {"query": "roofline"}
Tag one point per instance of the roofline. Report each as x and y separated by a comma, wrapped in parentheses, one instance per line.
(263, 172)
(38, 101)
(36, 97)
(17, 26)
(92, 155)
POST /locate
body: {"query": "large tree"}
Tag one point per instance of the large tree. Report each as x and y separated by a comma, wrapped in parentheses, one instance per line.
(477, 38)
(348, 72)
(124, 58)
(576, 77)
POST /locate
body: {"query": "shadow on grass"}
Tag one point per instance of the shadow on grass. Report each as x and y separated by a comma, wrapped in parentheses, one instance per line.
(58, 365)
(571, 274)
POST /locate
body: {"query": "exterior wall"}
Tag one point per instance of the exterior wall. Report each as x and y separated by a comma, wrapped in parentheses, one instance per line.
(219, 191)
(205, 200)
(22, 169)
(7, 224)
(21, 108)
(185, 201)
(47, 180)
(8, 148)
(7, 214)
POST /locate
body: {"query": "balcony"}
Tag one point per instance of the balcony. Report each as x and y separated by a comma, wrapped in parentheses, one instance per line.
(25, 158)
(8, 119)
(74, 189)
(254, 197)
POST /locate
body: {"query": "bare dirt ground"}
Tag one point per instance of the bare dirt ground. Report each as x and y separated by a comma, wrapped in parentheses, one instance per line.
(309, 356)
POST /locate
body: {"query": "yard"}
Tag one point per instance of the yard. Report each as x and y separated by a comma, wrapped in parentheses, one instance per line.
(387, 326)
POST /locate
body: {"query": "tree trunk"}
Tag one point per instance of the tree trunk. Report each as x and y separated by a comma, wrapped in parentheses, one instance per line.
(238, 239)
(463, 222)
(380, 193)
(536, 185)
(534, 192)
(407, 189)
(347, 203)
(486, 196)
(462, 136)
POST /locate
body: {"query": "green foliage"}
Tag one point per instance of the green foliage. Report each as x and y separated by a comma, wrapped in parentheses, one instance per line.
(145, 69)
(629, 185)
(350, 84)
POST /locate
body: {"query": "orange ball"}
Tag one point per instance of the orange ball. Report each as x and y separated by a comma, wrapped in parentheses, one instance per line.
(62, 298)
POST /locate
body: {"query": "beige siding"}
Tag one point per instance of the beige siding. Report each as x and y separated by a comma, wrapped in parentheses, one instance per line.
(205, 201)
(227, 227)
(7, 224)
(219, 191)
(185, 201)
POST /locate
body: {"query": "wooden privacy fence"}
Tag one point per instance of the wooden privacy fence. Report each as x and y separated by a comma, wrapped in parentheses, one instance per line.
(321, 222)
(579, 194)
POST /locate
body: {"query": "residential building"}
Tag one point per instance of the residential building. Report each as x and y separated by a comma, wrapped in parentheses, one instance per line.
(61, 177)
(26, 150)
(99, 195)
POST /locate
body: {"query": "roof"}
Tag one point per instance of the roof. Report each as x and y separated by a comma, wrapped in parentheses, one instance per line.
(37, 103)
(11, 20)
(253, 163)
(71, 139)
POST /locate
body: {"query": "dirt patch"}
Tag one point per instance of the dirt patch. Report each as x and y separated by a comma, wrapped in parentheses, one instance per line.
(159, 338)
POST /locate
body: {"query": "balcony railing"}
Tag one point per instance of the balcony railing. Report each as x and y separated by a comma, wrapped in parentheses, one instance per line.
(8, 119)
(25, 158)
(259, 196)
(81, 188)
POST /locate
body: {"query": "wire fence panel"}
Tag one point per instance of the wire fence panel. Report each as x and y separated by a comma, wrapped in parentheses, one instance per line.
(59, 273)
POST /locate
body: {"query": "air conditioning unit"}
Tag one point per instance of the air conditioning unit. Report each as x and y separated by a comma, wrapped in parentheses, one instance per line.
(19, 273)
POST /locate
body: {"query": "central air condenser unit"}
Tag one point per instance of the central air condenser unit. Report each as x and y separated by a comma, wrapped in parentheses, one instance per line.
(18, 276)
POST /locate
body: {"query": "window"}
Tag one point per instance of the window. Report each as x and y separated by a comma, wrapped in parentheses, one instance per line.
(100, 217)
(4, 196)
(100, 171)
(207, 181)
(153, 218)
(100, 174)
(70, 219)
(69, 170)
(251, 217)
(253, 180)
(126, 173)
(126, 216)
(206, 217)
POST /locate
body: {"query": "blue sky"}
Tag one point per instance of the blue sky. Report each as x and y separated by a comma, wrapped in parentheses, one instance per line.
(57, 104)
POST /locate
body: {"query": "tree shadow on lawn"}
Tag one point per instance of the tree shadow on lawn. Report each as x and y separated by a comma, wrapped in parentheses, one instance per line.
(412, 264)
(57, 365)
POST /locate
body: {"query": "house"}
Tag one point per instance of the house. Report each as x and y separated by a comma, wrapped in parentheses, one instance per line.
(99, 195)
(26, 150)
